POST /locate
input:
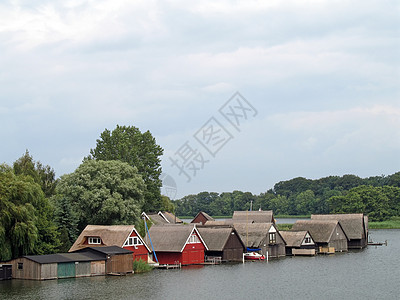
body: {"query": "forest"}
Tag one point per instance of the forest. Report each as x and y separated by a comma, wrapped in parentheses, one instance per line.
(377, 196)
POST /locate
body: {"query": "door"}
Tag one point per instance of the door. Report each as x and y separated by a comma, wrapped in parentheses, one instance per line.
(65, 270)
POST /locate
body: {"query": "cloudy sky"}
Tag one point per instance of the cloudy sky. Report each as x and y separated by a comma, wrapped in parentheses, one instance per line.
(318, 85)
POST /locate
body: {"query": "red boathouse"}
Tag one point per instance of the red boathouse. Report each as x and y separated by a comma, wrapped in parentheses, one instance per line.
(124, 236)
(178, 244)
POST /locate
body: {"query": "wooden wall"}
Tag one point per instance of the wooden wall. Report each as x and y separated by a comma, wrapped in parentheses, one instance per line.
(122, 263)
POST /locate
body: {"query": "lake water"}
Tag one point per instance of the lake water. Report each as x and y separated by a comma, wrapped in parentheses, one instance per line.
(366, 274)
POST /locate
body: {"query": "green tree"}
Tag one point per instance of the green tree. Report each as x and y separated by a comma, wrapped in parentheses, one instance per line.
(43, 175)
(167, 204)
(67, 222)
(104, 193)
(140, 150)
(26, 225)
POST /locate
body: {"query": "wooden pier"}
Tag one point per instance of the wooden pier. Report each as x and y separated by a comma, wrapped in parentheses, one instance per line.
(170, 266)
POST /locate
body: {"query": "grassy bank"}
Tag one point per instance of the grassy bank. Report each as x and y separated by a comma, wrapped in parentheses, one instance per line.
(283, 227)
(393, 223)
(292, 217)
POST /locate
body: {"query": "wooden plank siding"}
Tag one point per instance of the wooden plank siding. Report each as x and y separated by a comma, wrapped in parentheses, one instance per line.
(83, 269)
(97, 268)
(119, 264)
(28, 270)
(233, 250)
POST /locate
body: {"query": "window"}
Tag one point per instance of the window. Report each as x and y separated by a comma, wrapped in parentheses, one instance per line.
(133, 241)
(194, 239)
(272, 237)
(307, 240)
(20, 266)
(94, 240)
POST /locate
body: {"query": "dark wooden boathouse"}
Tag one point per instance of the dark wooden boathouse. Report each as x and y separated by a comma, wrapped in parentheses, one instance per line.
(354, 225)
(223, 242)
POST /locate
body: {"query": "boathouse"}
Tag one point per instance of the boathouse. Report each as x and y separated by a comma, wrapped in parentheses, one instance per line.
(354, 225)
(118, 260)
(263, 236)
(124, 236)
(202, 218)
(177, 244)
(61, 265)
(329, 236)
(254, 216)
(298, 243)
(223, 242)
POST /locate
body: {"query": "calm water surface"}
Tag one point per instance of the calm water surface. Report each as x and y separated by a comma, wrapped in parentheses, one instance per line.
(367, 274)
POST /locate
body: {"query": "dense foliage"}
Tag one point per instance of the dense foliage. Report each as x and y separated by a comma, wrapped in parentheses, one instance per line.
(101, 192)
(140, 150)
(26, 217)
(378, 196)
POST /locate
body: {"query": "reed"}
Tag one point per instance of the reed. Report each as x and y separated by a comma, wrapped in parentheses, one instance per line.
(140, 266)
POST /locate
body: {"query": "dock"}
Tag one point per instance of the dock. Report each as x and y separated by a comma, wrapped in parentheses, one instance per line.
(170, 266)
(371, 243)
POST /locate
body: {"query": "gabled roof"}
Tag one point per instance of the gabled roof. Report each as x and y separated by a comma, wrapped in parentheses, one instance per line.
(170, 217)
(172, 238)
(321, 231)
(65, 257)
(294, 238)
(252, 234)
(216, 237)
(161, 218)
(205, 215)
(254, 216)
(352, 224)
(156, 219)
(111, 235)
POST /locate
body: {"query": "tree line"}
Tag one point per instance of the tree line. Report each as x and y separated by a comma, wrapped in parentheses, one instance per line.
(119, 179)
(377, 196)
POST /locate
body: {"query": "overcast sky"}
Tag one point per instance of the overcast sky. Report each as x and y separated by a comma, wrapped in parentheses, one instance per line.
(318, 85)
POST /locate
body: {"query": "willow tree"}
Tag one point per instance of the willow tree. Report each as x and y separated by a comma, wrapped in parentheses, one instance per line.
(103, 193)
(26, 225)
(140, 150)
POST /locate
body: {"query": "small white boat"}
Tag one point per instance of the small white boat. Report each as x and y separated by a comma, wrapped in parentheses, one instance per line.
(253, 256)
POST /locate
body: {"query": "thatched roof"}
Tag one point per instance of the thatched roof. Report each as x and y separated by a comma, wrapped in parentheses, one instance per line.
(171, 238)
(252, 234)
(157, 219)
(352, 224)
(321, 231)
(265, 216)
(218, 223)
(162, 217)
(205, 215)
(216, 237)
(111, 235)
(293, 238)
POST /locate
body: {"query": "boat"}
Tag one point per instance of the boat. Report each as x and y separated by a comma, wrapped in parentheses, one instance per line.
(253, 256)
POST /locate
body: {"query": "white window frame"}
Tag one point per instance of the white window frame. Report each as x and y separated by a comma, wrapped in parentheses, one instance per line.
(133, 241)
(194, 239)
(272, 238)
(94, 240)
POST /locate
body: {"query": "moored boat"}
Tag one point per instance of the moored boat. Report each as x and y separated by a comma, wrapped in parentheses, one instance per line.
(253, 256)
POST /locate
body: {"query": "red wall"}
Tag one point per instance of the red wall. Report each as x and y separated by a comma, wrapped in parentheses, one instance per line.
(192, 254)
(140, 252)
